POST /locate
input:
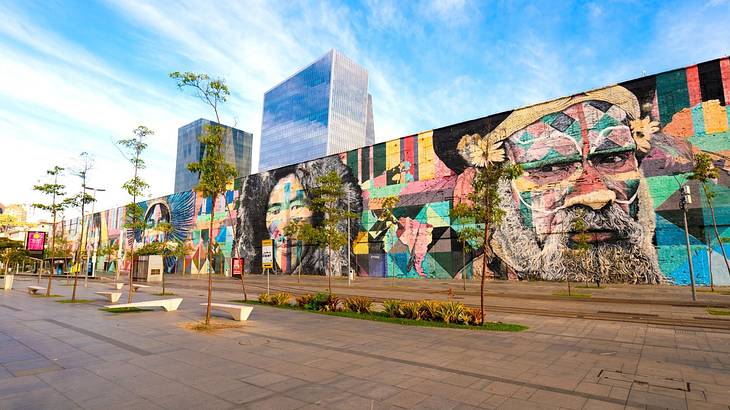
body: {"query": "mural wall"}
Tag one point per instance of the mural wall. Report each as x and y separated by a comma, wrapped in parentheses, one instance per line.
(614, 156)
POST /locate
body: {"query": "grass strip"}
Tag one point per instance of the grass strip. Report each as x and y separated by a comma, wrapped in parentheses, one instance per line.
(125, 310)
(75, 301)
(382, 317)
(49, 296)
(573, 295)
(718, 312)
(164, 294)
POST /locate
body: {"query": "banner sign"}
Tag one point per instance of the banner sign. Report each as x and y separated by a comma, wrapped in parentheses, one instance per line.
(36, 241)
(267, 254)
(237, 267)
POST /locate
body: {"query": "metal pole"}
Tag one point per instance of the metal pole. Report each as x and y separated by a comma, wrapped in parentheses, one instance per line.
(268, 270)
(349, 273)
(684, 200)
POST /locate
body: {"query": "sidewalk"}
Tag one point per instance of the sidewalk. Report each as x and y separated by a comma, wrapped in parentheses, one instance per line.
(74, 356)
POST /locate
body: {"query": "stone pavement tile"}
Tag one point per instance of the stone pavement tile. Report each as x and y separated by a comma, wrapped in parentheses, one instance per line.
(593, 404)
(22, 384)
(431, 387)
(189, 399)
(136, 404)
(79, 384)
(352, 402)
(437, 403)
(264, 379)
(31, 366)
(317, 394)
(4, 374)
(285, 385)
(594, 389)
(502, 388)
(406, 399)
(619, 393)
(116, 370)
(245, 393)
(518, 404)
(470, 396)
(38, 399)
(372, 390)
(109, 398)
(702, 405)
(656, 400)
(463, 406)
(561, 399)
(276, 402)
(524, 393)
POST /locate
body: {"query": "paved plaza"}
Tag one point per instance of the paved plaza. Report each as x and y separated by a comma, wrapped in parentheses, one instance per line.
(61, 356)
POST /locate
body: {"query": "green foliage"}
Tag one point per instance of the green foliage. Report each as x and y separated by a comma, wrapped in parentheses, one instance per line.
(450, 312)
(323, 302)
(54, 190)
(151, 248)
(704, 170)
(303, 300)
(215, 172)
(280, 298)
(324, 198)
(132, 149)
(265, 298)
(411, 310)
(392, 307)
(428, 309)
(211, 91)
(11, 252)
(360, 304)
(7, 222)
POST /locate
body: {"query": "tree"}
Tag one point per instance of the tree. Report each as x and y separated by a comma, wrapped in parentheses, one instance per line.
(215, 173)
(81, 199)
(484, 208)
(327, 235)
(171, 248)
(11, 251)
(704, 171)
(58, 204)
(132, 149)
(470, 238)
(110, 252)
(8, 222)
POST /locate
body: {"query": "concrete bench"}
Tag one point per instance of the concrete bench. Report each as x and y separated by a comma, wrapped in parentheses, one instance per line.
(167, 304)
(117, 285)
(113, 297)
(239, 312)
(137, 286)
(33, 290)
(8, 282)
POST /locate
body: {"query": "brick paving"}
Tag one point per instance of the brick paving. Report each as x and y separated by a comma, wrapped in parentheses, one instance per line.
(60, 356)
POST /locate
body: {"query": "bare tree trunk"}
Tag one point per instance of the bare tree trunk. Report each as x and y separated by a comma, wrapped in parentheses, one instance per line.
(243, 286)
(53, 252)
(329, 275)
(210, 261)
(463, 266)
(714, 226)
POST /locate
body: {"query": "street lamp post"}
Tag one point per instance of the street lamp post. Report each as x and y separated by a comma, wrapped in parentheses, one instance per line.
(684, 200)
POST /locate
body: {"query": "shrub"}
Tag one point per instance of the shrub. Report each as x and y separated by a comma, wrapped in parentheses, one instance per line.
(360, 304)
(265, 298)
(410, 310)
(450, 312)
(428, 309)
(303, 300)
(323, 301)
(281, 298)
(471, 316)
(392, 307)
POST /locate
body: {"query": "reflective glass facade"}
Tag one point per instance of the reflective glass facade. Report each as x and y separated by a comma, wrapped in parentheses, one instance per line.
(322, 109)
(237, 146)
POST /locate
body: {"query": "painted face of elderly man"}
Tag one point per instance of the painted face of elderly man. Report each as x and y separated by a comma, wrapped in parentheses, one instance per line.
(580, 157)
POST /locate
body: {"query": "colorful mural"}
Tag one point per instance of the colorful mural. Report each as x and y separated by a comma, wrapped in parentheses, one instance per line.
(615, 156)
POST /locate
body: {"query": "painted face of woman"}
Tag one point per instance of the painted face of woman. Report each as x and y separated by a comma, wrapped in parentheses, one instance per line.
(287, 203)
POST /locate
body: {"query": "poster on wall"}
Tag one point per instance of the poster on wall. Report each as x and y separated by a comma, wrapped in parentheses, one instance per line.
(35, 242)
(267, 254)
(237, 267)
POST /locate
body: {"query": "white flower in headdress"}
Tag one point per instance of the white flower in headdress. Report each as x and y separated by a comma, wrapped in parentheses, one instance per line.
(480, 151)
(642, 130)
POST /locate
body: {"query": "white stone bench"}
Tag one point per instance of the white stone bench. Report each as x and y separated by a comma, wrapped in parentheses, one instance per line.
(117, 285)
(239, 312)
(113, 297)
(137, 286)
(8, 282)
(33, 290)
(167, 304)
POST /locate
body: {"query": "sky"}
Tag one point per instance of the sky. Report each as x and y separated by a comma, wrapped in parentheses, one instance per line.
(76, 76)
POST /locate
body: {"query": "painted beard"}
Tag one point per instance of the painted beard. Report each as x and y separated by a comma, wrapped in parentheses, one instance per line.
(622, 250)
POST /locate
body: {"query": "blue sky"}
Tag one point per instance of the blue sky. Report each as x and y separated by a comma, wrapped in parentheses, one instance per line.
(79, 74)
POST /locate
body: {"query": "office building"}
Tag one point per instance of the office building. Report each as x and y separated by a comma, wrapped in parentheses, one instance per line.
(237, 146)
(323, 109)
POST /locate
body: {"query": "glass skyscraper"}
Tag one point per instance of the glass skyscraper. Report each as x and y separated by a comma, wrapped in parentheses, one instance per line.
(237, 148)
(323, 109)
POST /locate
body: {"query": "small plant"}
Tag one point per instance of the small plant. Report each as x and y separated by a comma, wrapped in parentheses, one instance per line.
(411, 310)
(450, 312)
(323, 302)
(265, 298)
(471, 316)
(303, 300)
(281, 298)
(428, 309)
(359, 304)
(392, 307)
